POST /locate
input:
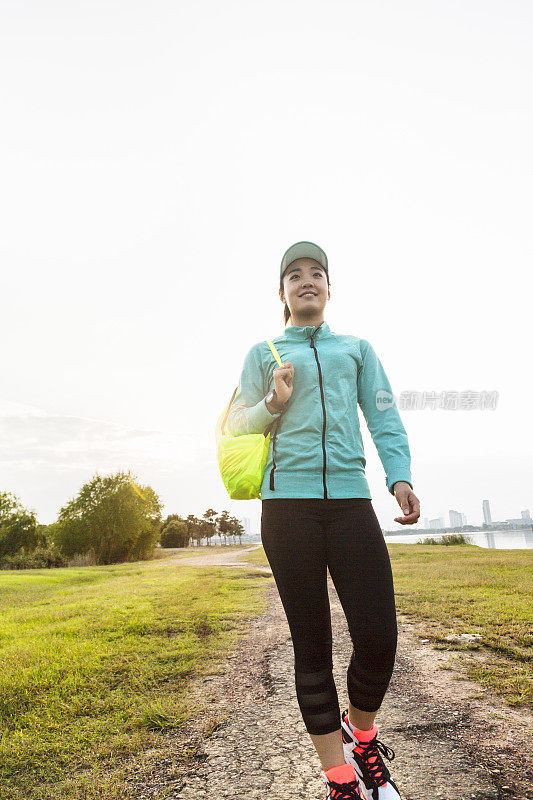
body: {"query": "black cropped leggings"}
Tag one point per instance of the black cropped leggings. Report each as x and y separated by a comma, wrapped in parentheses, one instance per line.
(302, 537)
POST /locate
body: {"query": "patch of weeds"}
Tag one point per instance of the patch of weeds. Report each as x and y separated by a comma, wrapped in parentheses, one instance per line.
(159, 714)
(202, 627)
(511, 680)
(447, 540)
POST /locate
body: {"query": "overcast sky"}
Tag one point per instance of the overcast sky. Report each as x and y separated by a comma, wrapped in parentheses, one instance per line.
(157, 158)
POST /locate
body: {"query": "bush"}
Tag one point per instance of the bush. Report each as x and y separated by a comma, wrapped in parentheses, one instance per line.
(82, 559)
(18, 527)
(175, 534)
(449, 538)
(40, 558)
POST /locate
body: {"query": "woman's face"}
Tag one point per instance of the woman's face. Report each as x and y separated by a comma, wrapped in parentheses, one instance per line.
(305, 287)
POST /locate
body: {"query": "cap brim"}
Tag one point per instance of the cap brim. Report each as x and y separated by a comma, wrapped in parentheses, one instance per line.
(303, 250)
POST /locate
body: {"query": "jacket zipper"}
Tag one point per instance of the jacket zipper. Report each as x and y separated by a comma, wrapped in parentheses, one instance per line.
(312, 344)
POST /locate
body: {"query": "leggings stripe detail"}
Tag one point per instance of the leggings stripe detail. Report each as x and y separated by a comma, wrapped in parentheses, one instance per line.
(303, 539)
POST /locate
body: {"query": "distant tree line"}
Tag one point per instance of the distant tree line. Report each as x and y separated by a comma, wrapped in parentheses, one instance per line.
(177, 531)
(112, 519)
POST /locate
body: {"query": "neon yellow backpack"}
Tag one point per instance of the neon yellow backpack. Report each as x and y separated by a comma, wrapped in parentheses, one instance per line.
(242, 459)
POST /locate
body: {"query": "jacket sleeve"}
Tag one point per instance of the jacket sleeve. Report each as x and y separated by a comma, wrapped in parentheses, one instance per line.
(383, 419)
(248, 412)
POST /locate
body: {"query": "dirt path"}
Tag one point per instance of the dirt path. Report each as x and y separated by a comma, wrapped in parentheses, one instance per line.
(452, 740)
(217, 558)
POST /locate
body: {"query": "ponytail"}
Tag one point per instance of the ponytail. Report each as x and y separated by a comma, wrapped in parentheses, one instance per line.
(286, 309)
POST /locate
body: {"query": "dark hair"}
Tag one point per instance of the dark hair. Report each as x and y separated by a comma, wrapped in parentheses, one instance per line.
(286, 309)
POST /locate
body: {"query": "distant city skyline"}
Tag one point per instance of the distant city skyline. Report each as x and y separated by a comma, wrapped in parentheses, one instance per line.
(457, 518)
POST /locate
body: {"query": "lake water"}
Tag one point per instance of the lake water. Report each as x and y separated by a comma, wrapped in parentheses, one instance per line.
(500, 540)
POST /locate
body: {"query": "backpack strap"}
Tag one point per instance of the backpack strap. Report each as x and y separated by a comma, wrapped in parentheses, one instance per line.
(275, 424)
(274, 352)
(278, 359)
(227, 411)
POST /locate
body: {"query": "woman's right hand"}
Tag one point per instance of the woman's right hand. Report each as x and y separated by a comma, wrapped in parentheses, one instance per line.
(283, 378)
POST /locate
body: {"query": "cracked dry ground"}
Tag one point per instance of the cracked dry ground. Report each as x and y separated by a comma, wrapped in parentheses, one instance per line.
(451, 740)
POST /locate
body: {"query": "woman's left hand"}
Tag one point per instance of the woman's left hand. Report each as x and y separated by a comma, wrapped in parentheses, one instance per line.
(408, 502)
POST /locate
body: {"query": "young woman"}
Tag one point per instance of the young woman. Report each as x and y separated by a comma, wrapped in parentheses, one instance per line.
(317, 514)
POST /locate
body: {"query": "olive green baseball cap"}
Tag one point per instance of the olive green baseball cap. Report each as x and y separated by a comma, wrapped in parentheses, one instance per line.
(301, 250)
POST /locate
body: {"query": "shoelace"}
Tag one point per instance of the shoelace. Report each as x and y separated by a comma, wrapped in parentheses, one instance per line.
(344, 791)
(377, 769)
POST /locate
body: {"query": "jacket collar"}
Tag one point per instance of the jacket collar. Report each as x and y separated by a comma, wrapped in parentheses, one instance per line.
(295, 332)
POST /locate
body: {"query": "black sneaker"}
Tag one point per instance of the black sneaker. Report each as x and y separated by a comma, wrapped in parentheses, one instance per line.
(376, 782)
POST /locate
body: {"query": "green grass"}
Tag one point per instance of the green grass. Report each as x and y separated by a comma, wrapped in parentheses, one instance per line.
(96, 660)
(467, 589)
(95, 663)
(257, 556)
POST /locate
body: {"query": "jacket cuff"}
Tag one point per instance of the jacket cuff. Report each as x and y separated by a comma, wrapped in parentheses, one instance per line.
(399, 473)
(260, 416)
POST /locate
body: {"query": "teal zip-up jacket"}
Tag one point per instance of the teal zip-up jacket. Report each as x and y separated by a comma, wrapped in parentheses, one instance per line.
(316, 449)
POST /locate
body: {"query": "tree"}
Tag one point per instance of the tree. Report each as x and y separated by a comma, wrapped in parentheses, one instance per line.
(174, 518)
(238, 528)
(194, 529)
(18, 527)
(175, 534)
(211, 526)
(234, 522)
(169, 518)
(224, 524)
(204, 530)
(43, 535)
(113, 516)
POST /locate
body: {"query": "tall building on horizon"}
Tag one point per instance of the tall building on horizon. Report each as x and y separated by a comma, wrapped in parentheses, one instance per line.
(486, 512)
(438, 522)
(526, 516)
(456, 518)
(463, 519)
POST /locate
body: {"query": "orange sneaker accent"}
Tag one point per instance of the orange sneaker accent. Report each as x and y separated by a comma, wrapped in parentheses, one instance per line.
(364, 736)
(344, 773)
